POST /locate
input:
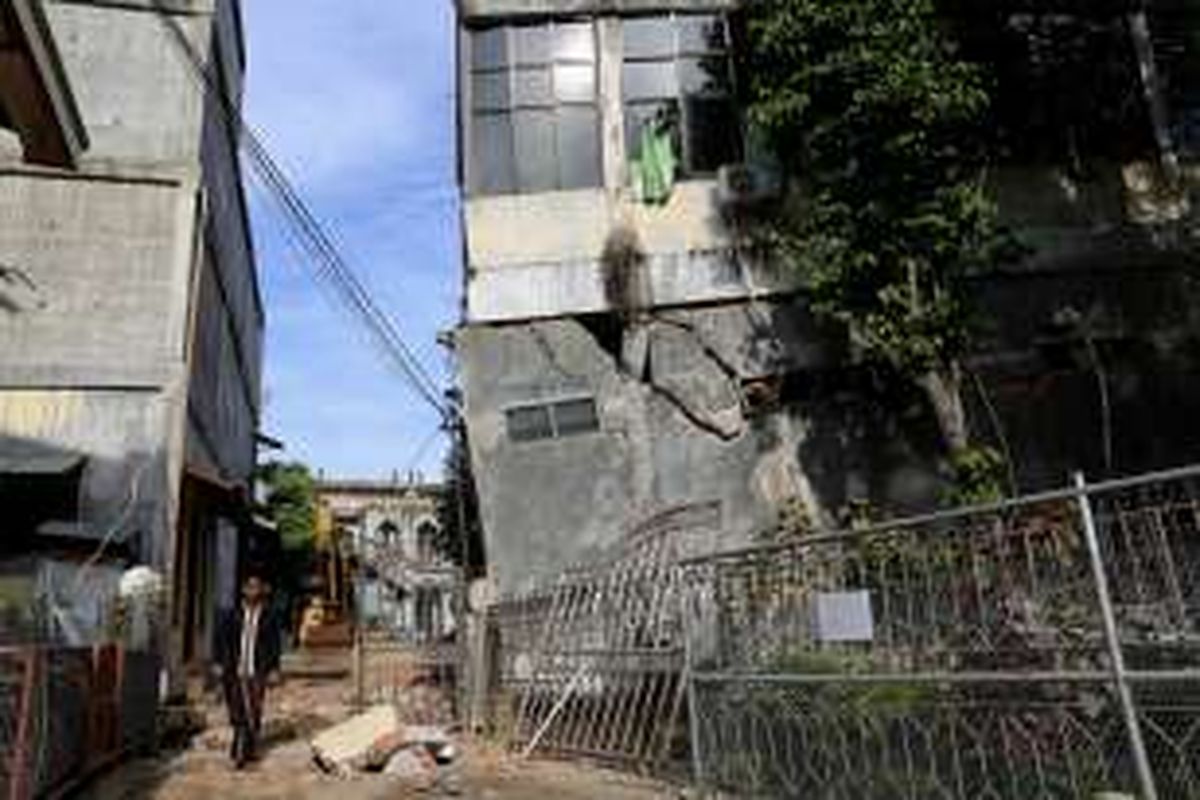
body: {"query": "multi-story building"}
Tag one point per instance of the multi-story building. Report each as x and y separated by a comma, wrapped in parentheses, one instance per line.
(131, 334)
(403, 584)
(627, 360)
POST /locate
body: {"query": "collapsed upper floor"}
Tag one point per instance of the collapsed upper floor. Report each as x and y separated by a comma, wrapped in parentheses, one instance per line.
(582, 118)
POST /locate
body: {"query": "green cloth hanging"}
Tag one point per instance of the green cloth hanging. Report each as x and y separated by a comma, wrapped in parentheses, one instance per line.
(654, 172)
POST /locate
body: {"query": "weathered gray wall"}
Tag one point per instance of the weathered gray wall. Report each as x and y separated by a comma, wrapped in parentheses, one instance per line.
(226, 356)
(672, 431)
(143, 246)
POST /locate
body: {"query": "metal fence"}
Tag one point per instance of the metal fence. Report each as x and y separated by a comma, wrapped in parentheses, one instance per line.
(1045, 647)
(66, 712)
(591, 664)
(421, 679)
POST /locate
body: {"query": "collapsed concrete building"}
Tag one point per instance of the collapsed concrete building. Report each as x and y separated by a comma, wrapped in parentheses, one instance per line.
(130, 313)
(623, 358)
(404, 587)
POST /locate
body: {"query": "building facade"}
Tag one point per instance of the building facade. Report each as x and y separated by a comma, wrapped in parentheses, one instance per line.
(626, 357)
(132, 341)
(404, 587)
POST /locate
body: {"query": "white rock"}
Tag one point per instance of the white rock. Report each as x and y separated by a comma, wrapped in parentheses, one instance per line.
(344, 747)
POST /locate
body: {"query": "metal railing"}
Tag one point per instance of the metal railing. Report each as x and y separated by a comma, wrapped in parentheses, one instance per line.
(591, 664)
(65, 712)
(1042, 647)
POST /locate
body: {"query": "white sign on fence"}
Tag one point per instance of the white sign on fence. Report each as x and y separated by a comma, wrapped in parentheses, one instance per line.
(844, 617)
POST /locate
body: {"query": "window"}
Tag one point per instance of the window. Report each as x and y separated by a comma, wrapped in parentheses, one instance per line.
(677, 74)
(552, 420)
(427, 542)
(535, 125)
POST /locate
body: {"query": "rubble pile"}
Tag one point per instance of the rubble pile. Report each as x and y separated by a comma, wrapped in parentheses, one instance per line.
(420, 757)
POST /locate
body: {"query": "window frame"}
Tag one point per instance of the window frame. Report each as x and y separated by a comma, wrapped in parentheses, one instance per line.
(511, 69)
(681, 53)
(550, 408)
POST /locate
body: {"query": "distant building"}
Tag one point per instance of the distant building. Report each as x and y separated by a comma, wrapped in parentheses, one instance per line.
(129, 306)
(403, 584)
(625, 358)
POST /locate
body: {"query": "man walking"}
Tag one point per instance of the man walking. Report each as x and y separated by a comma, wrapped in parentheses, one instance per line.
(247, 650)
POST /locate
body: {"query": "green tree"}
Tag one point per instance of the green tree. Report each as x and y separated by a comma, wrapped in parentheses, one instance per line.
(877, 122)
(291, 503)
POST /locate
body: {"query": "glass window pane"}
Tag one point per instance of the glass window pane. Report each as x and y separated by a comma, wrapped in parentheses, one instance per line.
(537, 169)
(489, 90)
(492, 168)
(528, 424)
(579, 147)
(532, 88)
(574, 42)
(649, 80)
(532, 45)
(575, 84)
(704, 75)
(713, 134)
(701, 34)
(649, 37)
(575, 416)
(489, 48)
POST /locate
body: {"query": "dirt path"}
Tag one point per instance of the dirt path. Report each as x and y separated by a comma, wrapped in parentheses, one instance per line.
(287, 771)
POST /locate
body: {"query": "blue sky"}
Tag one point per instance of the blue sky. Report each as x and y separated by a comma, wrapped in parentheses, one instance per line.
(355, 98)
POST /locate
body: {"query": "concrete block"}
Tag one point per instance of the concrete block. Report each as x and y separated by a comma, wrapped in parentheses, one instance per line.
(348, 746)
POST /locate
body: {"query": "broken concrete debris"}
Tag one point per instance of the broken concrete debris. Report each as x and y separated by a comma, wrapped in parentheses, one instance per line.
(413, 766)
(347, 746)
(377, 741)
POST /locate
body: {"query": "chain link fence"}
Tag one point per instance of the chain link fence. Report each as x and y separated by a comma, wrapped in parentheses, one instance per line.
(1045, 647)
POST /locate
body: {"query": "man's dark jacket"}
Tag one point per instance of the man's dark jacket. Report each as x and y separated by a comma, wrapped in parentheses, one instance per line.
(229, 641)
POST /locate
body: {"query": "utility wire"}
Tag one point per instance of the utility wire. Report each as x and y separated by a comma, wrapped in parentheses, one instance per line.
(315, 241)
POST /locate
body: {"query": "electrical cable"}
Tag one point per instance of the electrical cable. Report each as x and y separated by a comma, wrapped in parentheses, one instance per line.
(316, 241)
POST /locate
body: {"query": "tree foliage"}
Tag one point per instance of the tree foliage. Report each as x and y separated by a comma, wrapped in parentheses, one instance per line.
(877, 120)
(291, 503)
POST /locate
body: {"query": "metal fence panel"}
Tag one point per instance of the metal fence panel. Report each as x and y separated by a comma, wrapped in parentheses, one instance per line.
(65, 712)
(592, 663)
(1044, 647)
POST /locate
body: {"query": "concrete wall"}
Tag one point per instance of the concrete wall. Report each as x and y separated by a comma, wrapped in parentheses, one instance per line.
(136, 262)
(139, 102)
(672, 388)
(225, 397)
(538, 255)
(674, 431)
(836, 438)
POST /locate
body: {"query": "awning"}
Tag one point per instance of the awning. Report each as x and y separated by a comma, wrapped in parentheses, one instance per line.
(35, 96)
(30, 458)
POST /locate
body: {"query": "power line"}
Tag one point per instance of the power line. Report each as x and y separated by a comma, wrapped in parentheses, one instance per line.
(311, 236)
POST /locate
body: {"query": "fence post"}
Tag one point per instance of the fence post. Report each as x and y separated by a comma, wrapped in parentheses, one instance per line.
(22, 766)
(1116, 655)
(689, 634)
